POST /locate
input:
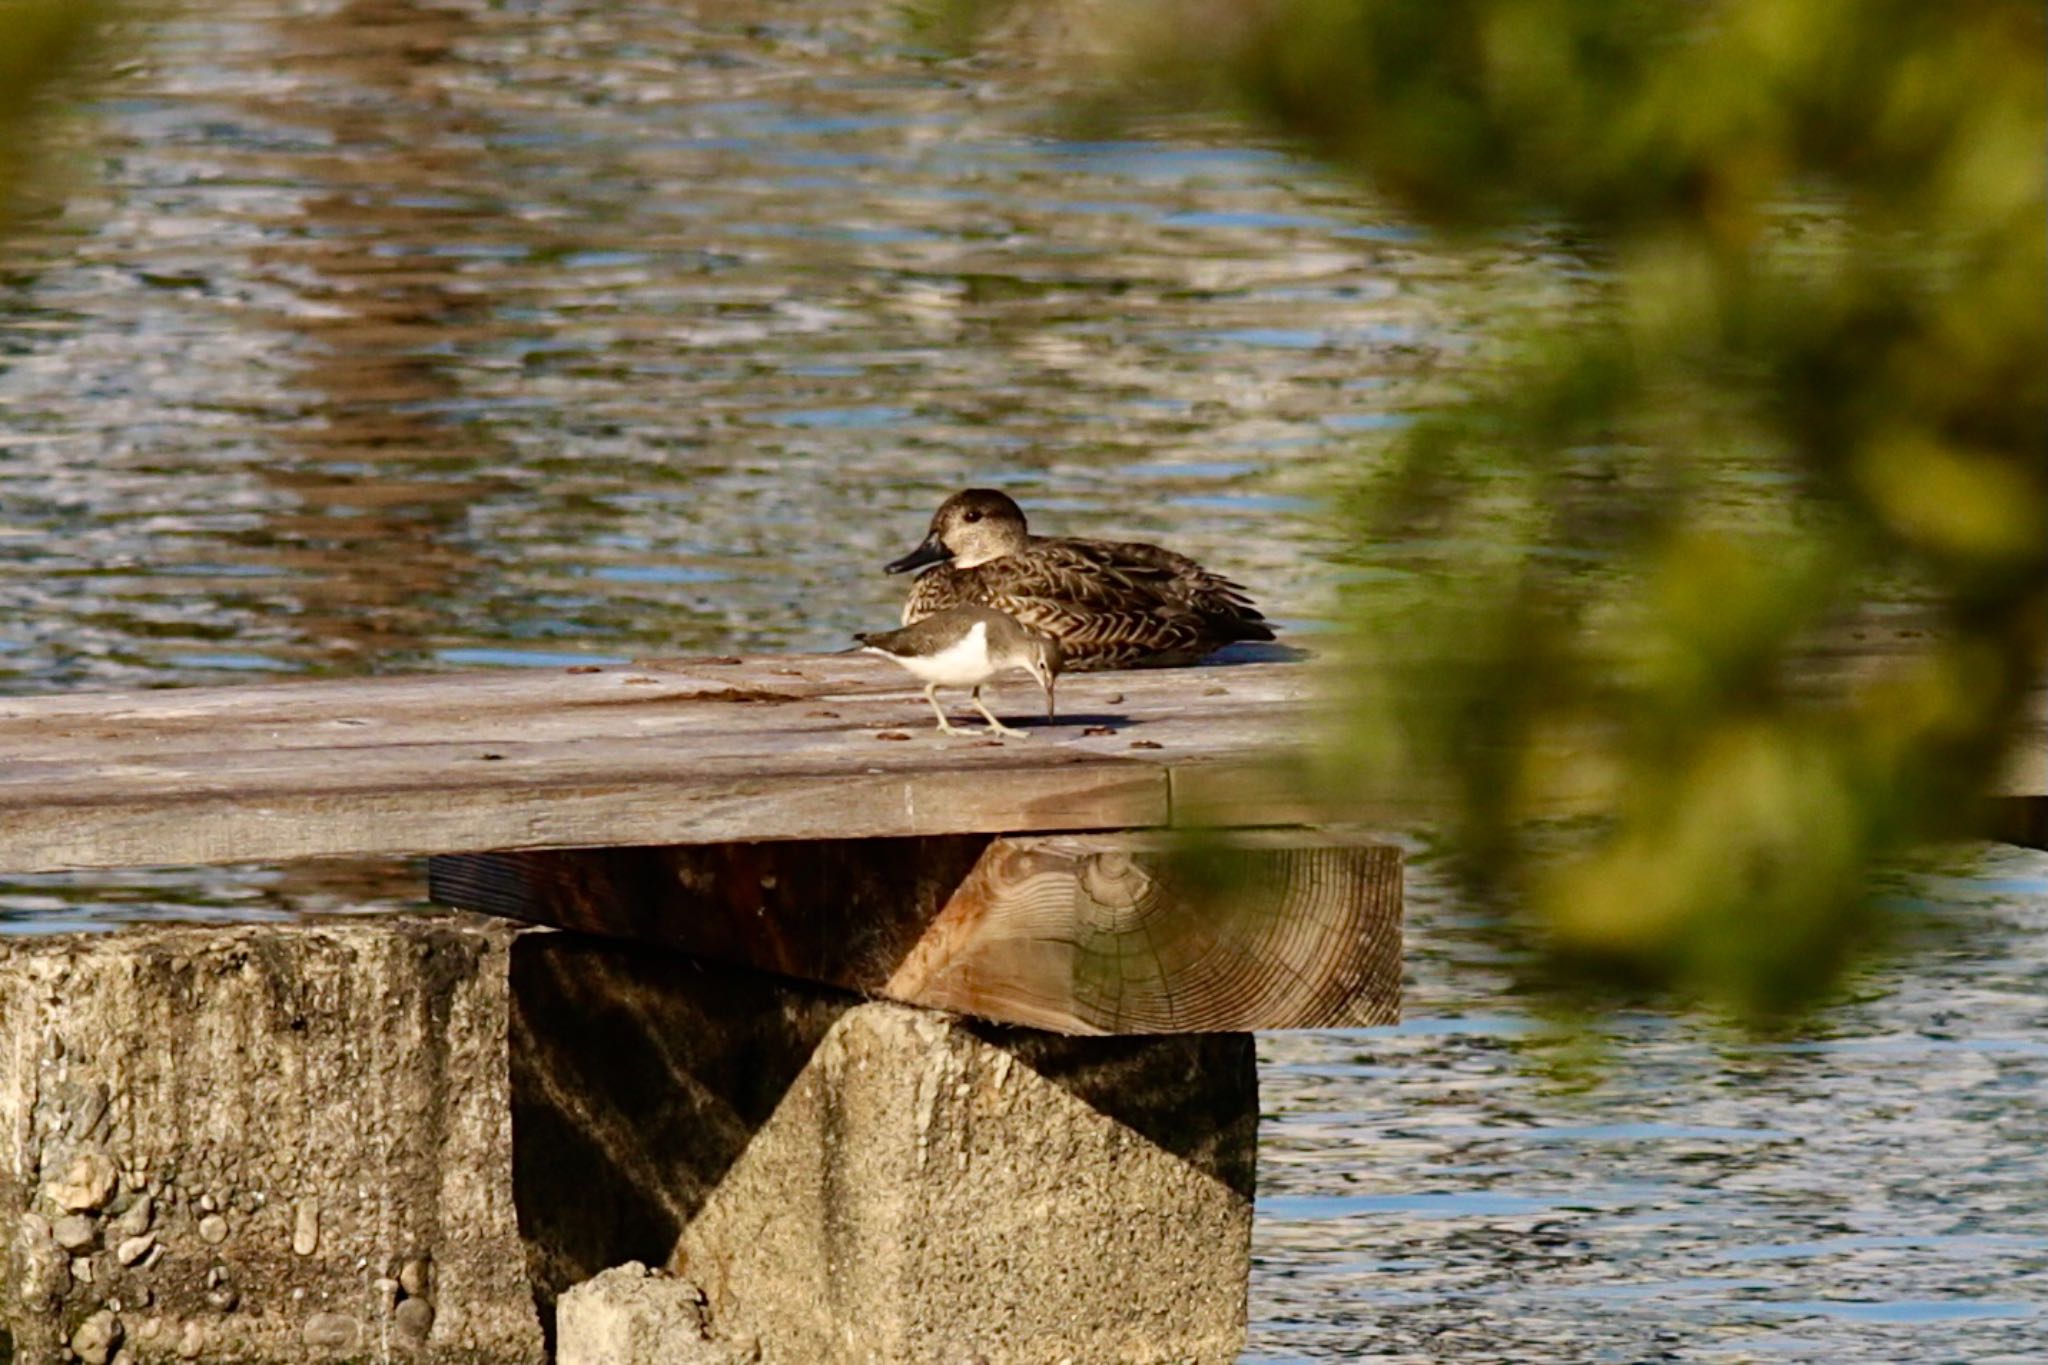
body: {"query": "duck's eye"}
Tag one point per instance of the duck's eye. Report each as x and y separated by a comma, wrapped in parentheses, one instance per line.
(973, 516)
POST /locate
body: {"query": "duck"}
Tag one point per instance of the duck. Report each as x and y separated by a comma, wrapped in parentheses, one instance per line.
(965, 647)
(1109, 603)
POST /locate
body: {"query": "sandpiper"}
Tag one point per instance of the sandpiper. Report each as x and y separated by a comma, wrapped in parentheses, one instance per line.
(1110, 604)
(965, 647)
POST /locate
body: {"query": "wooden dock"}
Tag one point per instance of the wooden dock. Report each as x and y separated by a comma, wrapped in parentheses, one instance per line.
(796, 813)
(688, 751)
(691, 751)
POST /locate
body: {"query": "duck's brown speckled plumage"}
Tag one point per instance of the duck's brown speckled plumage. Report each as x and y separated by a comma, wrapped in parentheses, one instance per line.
(1110, 604)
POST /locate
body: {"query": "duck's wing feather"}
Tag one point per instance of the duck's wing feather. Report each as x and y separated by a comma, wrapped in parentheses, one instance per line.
(1109, 603)
(1183, 579)
(1108, 636)
(938, 589)
(1071, 571)
(1172, 579)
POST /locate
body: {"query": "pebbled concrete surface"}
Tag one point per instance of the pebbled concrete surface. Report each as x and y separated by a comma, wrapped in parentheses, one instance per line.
(261, 1143)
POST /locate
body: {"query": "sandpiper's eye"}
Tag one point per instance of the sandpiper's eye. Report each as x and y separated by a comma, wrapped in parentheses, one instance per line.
(973, 516)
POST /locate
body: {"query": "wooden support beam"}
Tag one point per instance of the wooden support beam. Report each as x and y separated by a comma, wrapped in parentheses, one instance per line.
(1084, 933)
(2023, 820)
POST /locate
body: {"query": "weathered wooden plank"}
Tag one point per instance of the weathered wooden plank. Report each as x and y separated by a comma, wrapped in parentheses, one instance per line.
(1233, 780)
(1097, 933)
(625, 804)
(309, 770)
(658, 753)
(624, 702)
(371, 711)
(2026, 774)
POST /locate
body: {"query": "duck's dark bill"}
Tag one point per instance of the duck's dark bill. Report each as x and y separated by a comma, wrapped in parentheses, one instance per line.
(931, 552)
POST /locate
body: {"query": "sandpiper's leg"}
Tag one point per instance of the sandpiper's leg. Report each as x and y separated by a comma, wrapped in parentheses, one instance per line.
(996, 727)
(931, 694)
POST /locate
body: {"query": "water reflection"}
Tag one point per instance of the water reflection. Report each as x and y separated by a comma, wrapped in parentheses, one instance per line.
(374, 480)
(99, 900)
(402, 335)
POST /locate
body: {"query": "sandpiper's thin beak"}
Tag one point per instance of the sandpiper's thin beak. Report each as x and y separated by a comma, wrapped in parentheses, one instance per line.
(1048, 697)
(931, 552)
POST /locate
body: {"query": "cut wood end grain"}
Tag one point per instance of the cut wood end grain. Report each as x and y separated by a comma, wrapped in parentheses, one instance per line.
(1099, 933)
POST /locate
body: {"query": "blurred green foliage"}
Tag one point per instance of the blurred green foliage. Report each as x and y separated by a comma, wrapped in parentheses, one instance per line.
(41, 42)
(1808, 376)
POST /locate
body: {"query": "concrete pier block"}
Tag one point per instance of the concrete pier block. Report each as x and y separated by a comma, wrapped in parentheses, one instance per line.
(928, 1191)
(404, 1139)
(261, 1143)
(869, 1182)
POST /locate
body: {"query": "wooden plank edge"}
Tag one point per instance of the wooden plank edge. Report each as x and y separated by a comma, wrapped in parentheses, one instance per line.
(212, 831)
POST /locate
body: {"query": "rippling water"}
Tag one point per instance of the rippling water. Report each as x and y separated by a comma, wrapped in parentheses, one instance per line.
(385, 336)
(1463, 1188)
(382, 336)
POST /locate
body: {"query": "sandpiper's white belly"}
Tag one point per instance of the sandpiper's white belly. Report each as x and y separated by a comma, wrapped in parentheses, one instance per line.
(960, 664)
